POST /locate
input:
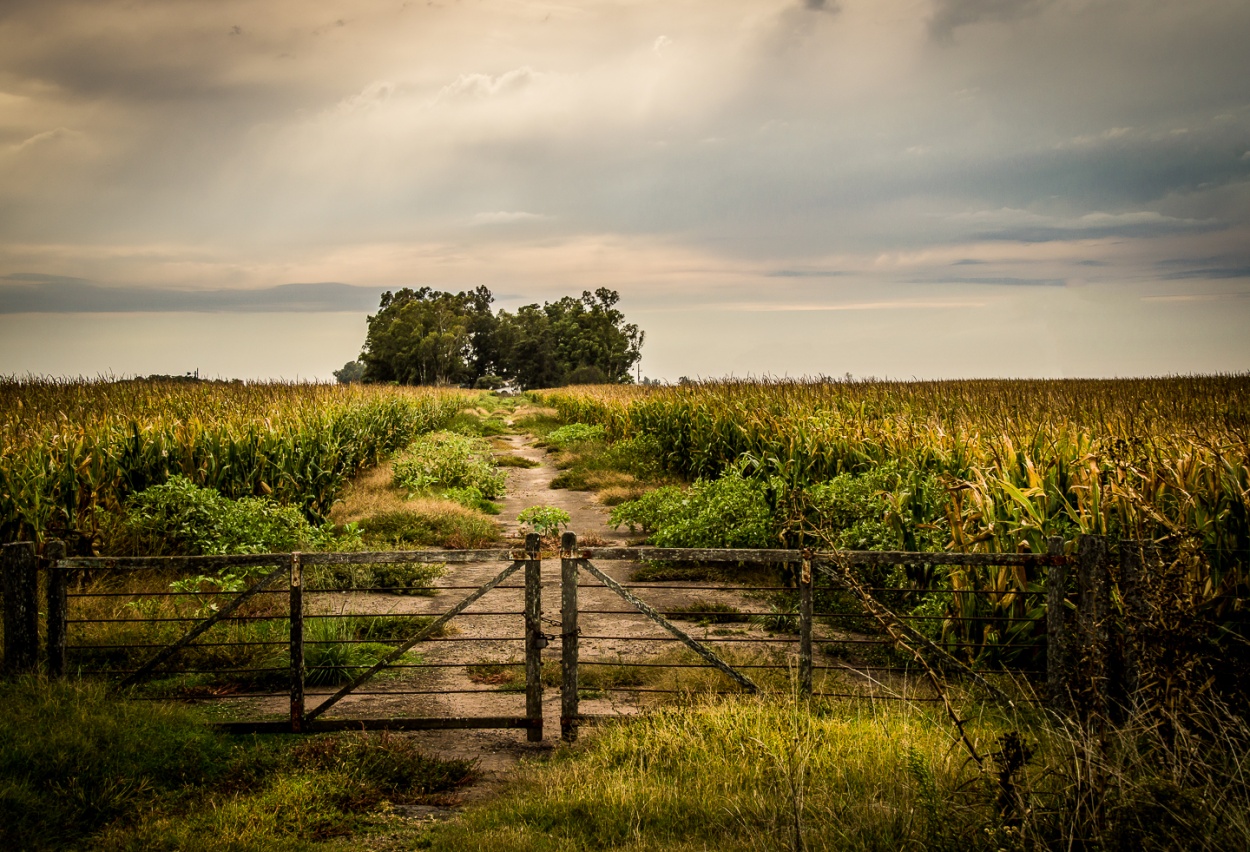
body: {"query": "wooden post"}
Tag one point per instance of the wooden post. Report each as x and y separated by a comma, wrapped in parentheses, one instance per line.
(58, 606)
(805, 627)
(1058, 633)
(1093, 620)
(568, 637)
(20, 569)
(534, 639)
(1134, 557)
(297, 645)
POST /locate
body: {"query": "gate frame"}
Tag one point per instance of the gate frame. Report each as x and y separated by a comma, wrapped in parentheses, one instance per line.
(1080, 671)
(302, 720)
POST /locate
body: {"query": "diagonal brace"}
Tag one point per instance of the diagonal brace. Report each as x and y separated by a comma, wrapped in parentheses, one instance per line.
(197, 631)
(422, 635)
(685, 638)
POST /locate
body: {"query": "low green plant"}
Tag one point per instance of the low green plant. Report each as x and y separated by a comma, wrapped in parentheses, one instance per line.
(80, 769)
(471, 498)
(470, 424)
(180, 518)
(510, 460)
(333, 653)
(539, 423)
(544, 520)
(731, 511)
(411, 578)
(443, 460)
(452, 527)
(572, 434)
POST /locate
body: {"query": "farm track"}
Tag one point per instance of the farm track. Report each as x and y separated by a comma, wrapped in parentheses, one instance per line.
(498, 752)
(449, 690)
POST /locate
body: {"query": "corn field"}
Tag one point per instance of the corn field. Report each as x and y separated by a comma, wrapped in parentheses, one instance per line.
(1164, 460)
(72, 450)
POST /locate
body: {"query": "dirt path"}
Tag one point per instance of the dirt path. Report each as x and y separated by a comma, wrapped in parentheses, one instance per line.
(490, 631)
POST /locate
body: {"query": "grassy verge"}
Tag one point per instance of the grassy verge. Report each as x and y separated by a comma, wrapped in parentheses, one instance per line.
(617, 471)
(749, 774)
(80, 770)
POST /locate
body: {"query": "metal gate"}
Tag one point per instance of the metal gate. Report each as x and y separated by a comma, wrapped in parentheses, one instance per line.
(249, 642)
(272, 617)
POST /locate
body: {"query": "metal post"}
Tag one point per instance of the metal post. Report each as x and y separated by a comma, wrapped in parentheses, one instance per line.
(534, 640)
(1058, 635)
(297, 645)
(20, 569)
(568, 637)
(1134, 557)
(1093, 611)
(58, 605)
(805, 627)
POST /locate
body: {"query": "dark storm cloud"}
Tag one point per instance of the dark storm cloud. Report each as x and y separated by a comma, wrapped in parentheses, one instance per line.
(36, 293)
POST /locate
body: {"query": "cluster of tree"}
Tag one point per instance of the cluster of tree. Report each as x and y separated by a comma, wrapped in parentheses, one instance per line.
(428, 337)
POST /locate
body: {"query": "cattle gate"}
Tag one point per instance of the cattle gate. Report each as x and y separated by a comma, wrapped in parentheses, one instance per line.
(262, 634)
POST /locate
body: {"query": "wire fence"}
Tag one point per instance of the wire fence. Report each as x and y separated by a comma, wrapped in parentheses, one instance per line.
(287, 637)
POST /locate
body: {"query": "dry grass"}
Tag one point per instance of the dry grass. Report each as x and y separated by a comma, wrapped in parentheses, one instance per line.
(372, 495)
(615, 495)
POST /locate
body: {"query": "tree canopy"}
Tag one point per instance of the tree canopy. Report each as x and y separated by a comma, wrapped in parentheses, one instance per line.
(428, 337)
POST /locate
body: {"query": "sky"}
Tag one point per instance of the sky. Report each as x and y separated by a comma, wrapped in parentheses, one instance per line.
(889, 188)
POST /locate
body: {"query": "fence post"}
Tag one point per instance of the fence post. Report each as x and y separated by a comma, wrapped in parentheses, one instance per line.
(1093, 612)
(1058, 624)
(297, 644)
(1134, 557)
(58, 605)
(569, 707)
(534, 639)
(20, 568)
(805, 626)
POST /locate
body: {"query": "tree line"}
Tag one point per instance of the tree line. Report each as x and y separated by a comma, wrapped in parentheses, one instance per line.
(430, 337)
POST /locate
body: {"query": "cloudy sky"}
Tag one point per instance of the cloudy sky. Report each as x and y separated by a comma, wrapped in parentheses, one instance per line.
(900, 188)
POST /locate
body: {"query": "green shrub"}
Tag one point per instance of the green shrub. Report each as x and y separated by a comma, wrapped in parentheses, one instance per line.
(179, 518)
(640, 455)
(574, 433)
(731, 511)
(471, 498)
(445, 460)
(891, 507)
(544, 520)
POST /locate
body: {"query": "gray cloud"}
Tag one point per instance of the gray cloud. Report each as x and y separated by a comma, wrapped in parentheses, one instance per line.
(805, 273)
(1097, 231)
(951, 14)
(701, 151)
(1004, 281)
(1210, 272)
(37, 293)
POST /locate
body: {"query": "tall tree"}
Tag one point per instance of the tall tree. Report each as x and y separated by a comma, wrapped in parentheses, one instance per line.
(422, 337)
(427, 336)
(544, 346)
